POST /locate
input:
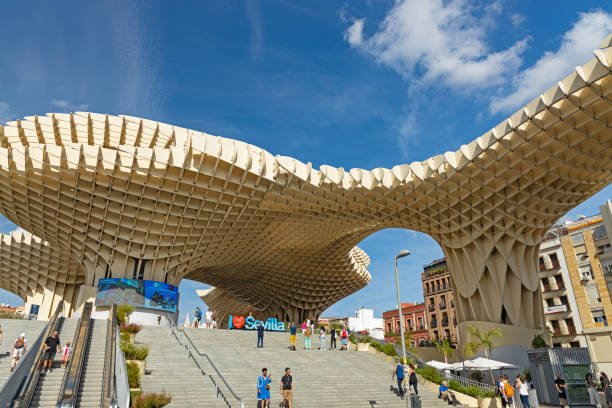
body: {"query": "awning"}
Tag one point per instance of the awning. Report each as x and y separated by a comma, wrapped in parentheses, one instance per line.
(439, 365)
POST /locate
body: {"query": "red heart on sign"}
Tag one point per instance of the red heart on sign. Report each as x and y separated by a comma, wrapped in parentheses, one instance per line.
(238, 321)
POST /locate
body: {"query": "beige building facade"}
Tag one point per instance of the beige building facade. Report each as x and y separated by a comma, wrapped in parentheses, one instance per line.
(439, 301)
(127, 197)
(576, 282)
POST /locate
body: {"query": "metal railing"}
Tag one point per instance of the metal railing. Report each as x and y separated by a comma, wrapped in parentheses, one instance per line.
(109, 389)
(28, 388)
(199, 358)
(466, 382)
(72, 376)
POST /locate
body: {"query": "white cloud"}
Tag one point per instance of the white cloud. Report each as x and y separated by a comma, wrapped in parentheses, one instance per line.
(517, 19)
(354, 34)
(5, 112)
(576, 47)
(67, 106)
(440, 41)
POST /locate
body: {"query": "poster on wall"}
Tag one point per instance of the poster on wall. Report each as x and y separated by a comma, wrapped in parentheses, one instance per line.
(137, 293)
(161, 296)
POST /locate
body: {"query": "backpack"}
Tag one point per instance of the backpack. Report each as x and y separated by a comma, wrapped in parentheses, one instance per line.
(344, 335)
(509, 390)
(19, 343)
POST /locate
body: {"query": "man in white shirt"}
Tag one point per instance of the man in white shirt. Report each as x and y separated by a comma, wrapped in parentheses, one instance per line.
(208, 318)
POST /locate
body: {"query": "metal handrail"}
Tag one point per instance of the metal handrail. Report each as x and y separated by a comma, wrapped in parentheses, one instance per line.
(28, 388)
(72, 375)
(109, 388)
(466, 382)
(191, 348)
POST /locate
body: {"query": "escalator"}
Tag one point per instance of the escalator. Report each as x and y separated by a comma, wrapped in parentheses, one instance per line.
(94, 377)
(49, 384)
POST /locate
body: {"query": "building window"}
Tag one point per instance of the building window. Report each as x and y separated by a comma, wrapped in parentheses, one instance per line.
(420, 323)
(545, 285)
(389, 327)
(438, 284)
(557, 345)
(574, 344)
(599, 232)
(585, 271)
(427, 287)
(577, 239)
(571, 329)
(592, 294)
(599, 316)
(564, 300)
(554, 260)
(606, 267)
(550, 302)
(542, 264)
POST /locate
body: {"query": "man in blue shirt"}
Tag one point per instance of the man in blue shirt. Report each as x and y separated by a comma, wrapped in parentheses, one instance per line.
(260, 333)
(399, 373)
(446, 394)
(292, 331)
(198, 317)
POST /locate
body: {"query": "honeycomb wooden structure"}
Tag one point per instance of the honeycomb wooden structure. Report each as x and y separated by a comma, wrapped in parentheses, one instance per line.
(130, 197)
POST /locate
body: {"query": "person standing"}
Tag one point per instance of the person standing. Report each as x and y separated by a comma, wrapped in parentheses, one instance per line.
(561, 387)
(307, 335)
(292, 334)
(20, 346)
(263, 389)
(208, 318)
(286, 389)
(523, 391)
(412, 379)
(51, 344)
(606, 388)
(332, 336)
(592, 389)
(66, 354)
(508, 392)
(198, 317)
(399, 374)
(344, 339)
(322, 337)
(304, 327)
(260, 334)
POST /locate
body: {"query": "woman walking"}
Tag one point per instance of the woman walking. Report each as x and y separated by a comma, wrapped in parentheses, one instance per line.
(263, 389)
(322, 337)
(412, 379)
(523, 391)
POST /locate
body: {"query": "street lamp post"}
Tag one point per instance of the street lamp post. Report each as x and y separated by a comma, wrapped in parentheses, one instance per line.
(401, 254)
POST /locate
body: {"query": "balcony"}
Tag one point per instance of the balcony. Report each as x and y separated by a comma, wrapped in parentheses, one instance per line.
(546, 287)
(434, 324)
(571, 330)
(444, 322)
(553, 265)
(560, 286)
(432, 308)
(442, 305)
(556, 331)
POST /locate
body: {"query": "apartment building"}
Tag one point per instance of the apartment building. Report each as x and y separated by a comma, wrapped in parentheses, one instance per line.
(576, 282)
(414, 320)
(439, 302)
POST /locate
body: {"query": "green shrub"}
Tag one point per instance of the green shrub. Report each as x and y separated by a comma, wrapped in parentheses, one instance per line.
(352, 338)
(336, 325)
(125, 337)
(364, 339)
(123, 314)
(389, 349)
(130, 328)
(477, 376)
(9, 315)
(134, 352)
(133, 373)
(377, 346)
(430, 373)
(150, 400)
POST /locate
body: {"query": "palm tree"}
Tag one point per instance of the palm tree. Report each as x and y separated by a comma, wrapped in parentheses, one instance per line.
(485, 341)
(445, 348)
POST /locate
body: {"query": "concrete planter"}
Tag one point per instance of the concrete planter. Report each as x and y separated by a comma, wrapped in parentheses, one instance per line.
(142, 365)
(382, 356)
(489, 402)
(363, 347)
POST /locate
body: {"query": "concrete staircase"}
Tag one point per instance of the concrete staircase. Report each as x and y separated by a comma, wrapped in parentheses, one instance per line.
(168, 369)
(50, 384)
(322, 378)
(90, 388)
(11, 329)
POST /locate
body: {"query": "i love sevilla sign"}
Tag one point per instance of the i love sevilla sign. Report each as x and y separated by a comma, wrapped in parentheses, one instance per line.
(249, 323)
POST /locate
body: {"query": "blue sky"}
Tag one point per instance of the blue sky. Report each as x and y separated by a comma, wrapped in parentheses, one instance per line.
(353, 84)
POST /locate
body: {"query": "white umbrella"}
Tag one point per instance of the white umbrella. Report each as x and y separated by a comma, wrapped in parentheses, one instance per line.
(438, 364)
(481, 363)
